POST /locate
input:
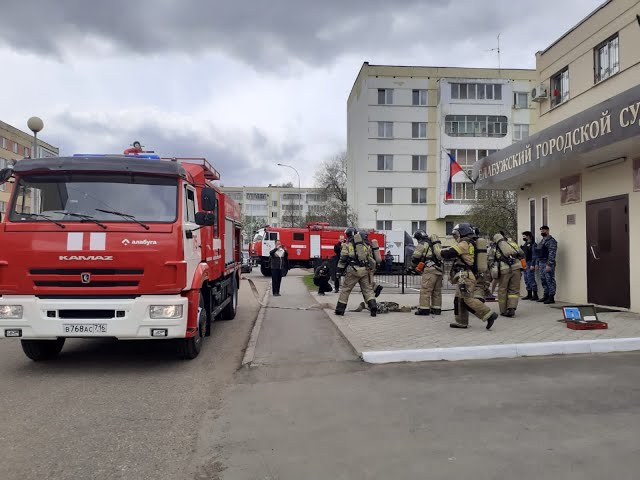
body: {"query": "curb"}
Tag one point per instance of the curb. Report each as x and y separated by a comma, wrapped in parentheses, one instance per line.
(351, 338)
(513, 350)
(250, 352)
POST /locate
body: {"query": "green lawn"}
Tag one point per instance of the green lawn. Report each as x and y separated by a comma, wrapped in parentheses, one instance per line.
(308, 281)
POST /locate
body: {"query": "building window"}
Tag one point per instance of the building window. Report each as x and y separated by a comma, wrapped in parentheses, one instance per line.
(606, 59)
(15, 147)
(274, 214)
(384, 225)
(316, 197)
(385, 162)
(3, 143)
(291, 196)
(419, 97)
(476, 91)
(545, 211)
(384, 195)
(560, 87)
(3, 164)
(448, 228)
(419, 225)
(292, 207)
(274, 203)
(419, 163)
(385, 129)
(520, 100)
(532, 215)
(463, 192)
(316, 208)
(419, 130)
(520, 131)
(475, 125)
(418, 195)
(467, 157)
(26, 152)
(385, 96)
(256, 196)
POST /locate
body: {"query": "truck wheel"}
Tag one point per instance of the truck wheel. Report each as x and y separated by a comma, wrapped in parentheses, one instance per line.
(229, 312)
(38, 350)
(189, 348)
(265, 271)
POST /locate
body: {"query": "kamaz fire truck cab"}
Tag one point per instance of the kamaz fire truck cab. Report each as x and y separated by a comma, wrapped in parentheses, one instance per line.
(124, 246)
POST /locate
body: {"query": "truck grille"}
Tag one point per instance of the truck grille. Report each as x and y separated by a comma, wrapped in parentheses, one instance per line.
(92, 284)
(80, 271)
(99, 277)
(86, 314)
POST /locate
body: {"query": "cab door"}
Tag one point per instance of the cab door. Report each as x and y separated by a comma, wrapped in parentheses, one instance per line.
(191, 236)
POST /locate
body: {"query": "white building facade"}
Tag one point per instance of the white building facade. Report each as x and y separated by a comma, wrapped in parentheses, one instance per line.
(402, 122)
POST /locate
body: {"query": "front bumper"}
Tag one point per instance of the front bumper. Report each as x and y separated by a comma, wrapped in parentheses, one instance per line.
(41, 318)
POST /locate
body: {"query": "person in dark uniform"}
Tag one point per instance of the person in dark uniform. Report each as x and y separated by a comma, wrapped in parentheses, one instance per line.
(546, 265)
(528, 247)
(337, 248)
(279, 265)
(321, 278)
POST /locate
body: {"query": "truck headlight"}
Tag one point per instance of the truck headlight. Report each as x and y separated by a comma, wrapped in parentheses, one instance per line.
(165, 311)
(11, 311)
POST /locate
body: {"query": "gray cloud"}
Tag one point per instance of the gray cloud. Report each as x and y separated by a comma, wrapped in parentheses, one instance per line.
(274, 34)
(255, 164)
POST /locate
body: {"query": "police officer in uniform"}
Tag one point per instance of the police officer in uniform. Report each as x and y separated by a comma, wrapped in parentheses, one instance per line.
(356, 264)
(464, 265)
(431, 285)
(528, 247)
(507, 255)
(546, 265)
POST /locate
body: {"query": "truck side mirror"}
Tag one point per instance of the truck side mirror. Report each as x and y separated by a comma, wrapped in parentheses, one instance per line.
(205, 219)
(208, 199)
(5, 174)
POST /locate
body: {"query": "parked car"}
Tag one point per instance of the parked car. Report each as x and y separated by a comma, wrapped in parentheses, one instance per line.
(246, 263)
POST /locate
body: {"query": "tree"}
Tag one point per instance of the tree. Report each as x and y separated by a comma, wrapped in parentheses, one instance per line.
(250, 225)
(292, 216)
(497, 211)
(331, 177)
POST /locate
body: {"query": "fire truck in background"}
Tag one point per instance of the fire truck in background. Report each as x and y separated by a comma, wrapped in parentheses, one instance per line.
(125, 246)
(307, 246)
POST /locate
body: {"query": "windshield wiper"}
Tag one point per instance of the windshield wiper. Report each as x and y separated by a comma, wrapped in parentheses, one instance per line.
(46, 217)
(124, 215)
(85, 218)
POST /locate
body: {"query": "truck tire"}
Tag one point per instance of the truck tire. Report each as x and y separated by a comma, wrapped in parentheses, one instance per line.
(189, 348)
(229, 312)
(38, 350)
(266, 271)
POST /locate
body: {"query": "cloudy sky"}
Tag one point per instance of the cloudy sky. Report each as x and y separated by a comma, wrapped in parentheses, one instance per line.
(248, 84)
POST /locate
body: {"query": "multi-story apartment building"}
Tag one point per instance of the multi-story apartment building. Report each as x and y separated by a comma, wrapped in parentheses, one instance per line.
(403, 121)
(276, 206)
(16, 145)
(580, 173)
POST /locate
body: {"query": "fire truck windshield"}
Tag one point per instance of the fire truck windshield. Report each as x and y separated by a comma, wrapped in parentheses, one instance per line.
(66, 196)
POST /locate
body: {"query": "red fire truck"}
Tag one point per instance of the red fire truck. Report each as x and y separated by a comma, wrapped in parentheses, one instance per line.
(124, 246)
(307, 246)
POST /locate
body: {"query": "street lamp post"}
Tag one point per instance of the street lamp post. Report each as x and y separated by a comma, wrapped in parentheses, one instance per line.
(299, 192)
(36, 125)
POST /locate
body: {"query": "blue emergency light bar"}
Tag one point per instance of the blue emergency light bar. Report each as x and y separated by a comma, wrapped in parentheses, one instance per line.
(151, 156)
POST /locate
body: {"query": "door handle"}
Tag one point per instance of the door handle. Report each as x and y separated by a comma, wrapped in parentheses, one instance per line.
(594, 253)
(188, 233)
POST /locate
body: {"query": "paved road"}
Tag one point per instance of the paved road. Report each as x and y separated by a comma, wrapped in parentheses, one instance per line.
(316, 413)
(115, 410)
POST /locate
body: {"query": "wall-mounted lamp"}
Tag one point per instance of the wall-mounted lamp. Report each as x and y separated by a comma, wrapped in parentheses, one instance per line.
(608, 163)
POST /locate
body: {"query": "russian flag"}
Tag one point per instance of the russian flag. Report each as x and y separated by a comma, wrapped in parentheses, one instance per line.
(454, 167)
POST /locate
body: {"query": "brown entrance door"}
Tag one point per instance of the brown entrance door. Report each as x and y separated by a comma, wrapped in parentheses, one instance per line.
(608, 281)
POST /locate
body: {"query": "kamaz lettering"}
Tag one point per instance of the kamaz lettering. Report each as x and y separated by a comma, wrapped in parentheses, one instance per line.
(86, 257)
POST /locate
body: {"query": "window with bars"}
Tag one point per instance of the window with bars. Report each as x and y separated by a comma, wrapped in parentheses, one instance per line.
(606, 59)
(418, 225)
(384, 195)
(476, 125)
(384, 225)
(385, 162)
(419, 163)
(385, 129)
(560, 87)
(418, 195)
(476, 91)
(419, 130)
(419, 97)
(385, 96)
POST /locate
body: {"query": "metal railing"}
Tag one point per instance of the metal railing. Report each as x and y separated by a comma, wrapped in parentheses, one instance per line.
(397, 280)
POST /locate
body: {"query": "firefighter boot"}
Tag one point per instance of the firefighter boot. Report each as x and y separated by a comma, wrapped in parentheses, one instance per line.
(340, 308)
(423, 311)
(435, 311)
(373, 307)
(377, 290)
(491, 319)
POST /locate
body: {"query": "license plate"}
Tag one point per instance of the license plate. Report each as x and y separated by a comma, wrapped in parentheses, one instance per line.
(85, 328)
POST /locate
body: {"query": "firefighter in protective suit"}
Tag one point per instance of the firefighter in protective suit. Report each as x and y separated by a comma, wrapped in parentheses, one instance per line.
(426, 260)
(463, 275)
(356, 263)
(506, 258)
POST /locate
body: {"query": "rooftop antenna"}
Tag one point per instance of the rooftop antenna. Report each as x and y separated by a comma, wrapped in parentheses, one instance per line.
(496, 50)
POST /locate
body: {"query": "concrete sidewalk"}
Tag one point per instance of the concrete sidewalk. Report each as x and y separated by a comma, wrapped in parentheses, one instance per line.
(402, 337)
